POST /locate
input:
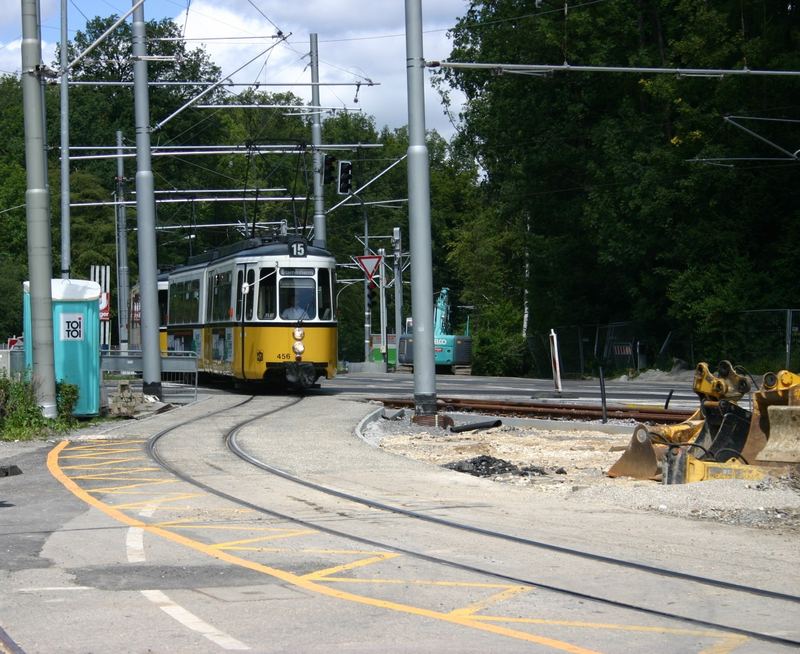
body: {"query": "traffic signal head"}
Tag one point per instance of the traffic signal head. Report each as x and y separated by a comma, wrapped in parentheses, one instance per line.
(345, 178)
(370, 293)
(329, 168)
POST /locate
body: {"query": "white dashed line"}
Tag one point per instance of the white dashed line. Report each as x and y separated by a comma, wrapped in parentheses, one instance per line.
(191, 621)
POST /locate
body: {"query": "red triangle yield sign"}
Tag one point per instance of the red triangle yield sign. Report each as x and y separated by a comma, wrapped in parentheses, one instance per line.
(369, 264)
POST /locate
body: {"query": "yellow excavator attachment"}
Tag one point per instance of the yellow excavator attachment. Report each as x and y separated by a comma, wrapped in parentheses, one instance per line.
(683, 468)
(720, 439)
(641, 458)
(775, 428)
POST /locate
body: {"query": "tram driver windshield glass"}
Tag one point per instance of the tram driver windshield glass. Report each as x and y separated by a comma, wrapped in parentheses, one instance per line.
(297, 298)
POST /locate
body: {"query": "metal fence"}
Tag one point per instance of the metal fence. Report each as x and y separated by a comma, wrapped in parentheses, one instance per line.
(760, 340)
(12, 362)
(178, 373)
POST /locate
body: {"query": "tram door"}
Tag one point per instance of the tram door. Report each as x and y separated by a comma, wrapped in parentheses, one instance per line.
(245, 301)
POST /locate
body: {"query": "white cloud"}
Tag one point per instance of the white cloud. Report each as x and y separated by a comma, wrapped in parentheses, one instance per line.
(368, 42)
(11, 56)
(11, 33)
(357, 40)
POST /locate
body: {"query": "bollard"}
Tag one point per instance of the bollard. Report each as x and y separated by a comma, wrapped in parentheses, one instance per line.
(554, 360)
(603, 395)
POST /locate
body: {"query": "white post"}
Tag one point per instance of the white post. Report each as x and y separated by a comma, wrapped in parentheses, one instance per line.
(554, 360)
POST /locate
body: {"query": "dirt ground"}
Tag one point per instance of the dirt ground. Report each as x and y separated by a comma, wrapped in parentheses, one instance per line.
(570, 463)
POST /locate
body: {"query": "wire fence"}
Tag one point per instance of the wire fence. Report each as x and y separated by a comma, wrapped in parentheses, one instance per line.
(760, 340)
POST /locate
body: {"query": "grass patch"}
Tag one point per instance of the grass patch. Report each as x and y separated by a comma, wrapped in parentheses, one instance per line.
(21, 417)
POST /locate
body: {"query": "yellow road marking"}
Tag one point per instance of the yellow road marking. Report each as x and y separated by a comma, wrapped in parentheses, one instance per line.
(413, 582)
(101, 443)
(465, 616)
(480, 605)
(380, 558)
(296, 580)
(164, 499)
(318, 550)
(125, 490)
(610, 626)
(100, 455)
(110, 462)
(238, 544)
(729, 644)
(111, 476)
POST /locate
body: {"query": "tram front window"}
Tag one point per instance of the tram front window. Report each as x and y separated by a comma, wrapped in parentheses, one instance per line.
(297, 298)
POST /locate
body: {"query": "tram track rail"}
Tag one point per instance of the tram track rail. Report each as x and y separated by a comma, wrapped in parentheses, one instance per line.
(230, 437)
(552, 410)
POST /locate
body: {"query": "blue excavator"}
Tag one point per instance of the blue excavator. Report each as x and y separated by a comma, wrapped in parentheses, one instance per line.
(452, 352)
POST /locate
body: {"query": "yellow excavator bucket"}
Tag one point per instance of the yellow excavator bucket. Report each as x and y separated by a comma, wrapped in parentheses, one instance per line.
(641, 459)
(775, 427)
(719, 429)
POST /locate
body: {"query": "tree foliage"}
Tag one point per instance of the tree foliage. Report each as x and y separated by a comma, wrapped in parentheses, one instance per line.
(567, 199)
(595, 178)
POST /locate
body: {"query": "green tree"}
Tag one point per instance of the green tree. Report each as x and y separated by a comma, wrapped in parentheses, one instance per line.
(594, 179)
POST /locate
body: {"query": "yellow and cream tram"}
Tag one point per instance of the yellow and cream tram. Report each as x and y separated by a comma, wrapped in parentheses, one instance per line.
(257, 310)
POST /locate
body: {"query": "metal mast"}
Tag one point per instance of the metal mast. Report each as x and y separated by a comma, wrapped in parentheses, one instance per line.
(398, 286)
(145, 214)
(419, 208)
(66, 256)
(123, 283)
(320, 236)
(40, 264)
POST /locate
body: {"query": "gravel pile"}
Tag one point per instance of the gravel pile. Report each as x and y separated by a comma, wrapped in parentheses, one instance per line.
(574, 461)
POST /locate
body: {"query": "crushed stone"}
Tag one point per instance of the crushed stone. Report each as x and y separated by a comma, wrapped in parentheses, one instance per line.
(573, 462)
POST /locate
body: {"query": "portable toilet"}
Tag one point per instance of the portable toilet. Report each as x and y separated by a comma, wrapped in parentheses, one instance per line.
(76, 338)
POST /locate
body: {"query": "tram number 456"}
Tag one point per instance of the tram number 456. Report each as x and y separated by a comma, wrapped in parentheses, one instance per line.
(284, 357)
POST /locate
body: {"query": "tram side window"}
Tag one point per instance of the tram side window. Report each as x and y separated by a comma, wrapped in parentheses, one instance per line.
(297, 298)
(267, 297)
(324, 294)
(163, 296)
(184, 302)
(248, 302)
(239, 294)
(220, 286)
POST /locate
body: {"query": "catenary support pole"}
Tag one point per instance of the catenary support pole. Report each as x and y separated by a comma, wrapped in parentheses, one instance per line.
(398, 287)
(123, 281)
(66, 244)
(40, 264)
(419, 216)
(320, 236)
(145, 215)
(382, 307)
(367, 283)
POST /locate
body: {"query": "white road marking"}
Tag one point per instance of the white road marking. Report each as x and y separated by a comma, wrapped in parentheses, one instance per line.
(134, 541)
(134, 546)
(53, 588)
(191, 621)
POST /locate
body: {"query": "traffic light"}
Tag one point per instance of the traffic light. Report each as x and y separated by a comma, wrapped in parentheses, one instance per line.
(328, 169)
(345, 178)
(371, 293)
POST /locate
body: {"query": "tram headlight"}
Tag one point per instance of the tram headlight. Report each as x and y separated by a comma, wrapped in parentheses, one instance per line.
(298, 333)
(298, 347)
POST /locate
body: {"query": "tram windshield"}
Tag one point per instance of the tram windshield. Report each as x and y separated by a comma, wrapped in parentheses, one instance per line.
(297, 298)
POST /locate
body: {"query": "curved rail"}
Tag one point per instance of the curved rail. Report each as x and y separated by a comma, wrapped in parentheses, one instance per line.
(231, 441)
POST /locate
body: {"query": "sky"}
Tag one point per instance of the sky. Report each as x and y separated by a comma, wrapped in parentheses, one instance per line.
(358, 40)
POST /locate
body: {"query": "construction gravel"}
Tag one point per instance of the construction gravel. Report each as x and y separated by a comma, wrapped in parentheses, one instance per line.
(574, 459)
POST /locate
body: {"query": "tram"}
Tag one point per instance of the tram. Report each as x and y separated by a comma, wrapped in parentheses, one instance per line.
(261, 309)
(135, 315)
